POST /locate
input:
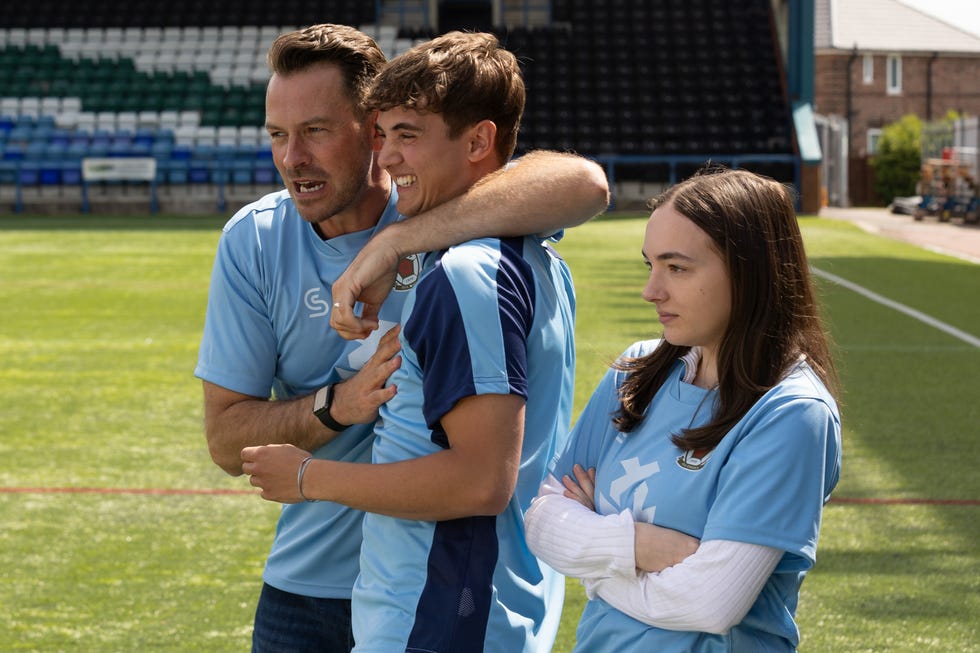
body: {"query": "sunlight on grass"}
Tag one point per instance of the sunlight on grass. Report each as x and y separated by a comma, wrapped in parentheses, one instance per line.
(884, 580)
(102, 319)
(127, 573)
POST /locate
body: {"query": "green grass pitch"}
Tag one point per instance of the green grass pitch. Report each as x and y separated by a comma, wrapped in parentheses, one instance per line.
(101, 318)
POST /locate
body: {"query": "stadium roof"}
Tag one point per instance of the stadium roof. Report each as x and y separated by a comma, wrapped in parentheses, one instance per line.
(888, 26)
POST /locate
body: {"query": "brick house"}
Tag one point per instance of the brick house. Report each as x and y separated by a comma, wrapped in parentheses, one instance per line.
(878, 60)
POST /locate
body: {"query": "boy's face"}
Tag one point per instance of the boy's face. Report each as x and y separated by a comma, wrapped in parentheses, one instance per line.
(426, 165)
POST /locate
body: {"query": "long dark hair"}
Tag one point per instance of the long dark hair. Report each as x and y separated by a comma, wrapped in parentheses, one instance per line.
(752, 224)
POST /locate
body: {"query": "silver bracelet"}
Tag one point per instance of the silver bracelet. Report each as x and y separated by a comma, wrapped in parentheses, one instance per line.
(299, 479)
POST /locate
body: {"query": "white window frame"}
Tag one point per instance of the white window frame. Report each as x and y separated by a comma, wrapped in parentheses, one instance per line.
(868, 69)
(874, 135)
(893, 74)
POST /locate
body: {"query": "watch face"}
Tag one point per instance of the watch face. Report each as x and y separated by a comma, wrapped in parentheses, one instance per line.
(320, 400)
(321, 408)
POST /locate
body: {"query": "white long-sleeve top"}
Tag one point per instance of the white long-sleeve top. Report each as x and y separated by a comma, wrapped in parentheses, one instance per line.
(710, 591)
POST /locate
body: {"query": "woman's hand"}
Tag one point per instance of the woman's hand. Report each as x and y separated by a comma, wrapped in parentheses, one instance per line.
(582, 487)
(658, 548)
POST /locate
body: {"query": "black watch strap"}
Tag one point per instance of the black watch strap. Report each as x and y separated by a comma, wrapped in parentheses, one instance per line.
(321, 408)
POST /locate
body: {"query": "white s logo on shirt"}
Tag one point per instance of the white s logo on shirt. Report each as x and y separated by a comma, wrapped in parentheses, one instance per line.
(317, 304)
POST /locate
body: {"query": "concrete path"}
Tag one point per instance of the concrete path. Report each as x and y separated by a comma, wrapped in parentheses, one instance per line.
(953, 238)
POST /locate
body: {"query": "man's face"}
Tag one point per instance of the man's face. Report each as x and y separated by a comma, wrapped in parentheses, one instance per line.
(426, 165)
(320, 147)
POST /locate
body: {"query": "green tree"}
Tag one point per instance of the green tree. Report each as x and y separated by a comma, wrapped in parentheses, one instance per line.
(897, 160)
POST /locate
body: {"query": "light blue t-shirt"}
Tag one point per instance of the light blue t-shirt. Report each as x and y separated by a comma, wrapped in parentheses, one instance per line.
(267, 332)
(765, 483)
(488, 317)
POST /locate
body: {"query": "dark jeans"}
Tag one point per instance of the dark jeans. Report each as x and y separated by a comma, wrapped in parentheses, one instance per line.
(289, 623)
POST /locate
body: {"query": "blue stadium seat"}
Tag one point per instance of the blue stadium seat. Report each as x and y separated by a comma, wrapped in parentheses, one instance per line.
(8, 172)
(220, 172)
(144, 137)
(49, 173)
(181, 153)
(202, 157)
(162, 150)
(29, 173)
(13, 152)
(265, 173)
(177, 172)
(71, 172)
(199, 172)
(241, 171)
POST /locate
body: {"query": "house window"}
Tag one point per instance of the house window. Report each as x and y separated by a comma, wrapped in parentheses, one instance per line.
(894, 74)
(869, 69)
(874, 135)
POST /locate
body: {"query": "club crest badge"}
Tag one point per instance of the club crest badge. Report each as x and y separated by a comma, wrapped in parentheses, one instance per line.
(694, 460)
(408, 272)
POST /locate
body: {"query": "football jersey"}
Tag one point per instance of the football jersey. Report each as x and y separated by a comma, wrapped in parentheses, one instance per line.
(267, 332)
(492, 316)
(765, 483)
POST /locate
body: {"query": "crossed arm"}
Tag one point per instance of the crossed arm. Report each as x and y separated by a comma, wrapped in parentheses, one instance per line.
(655, 575)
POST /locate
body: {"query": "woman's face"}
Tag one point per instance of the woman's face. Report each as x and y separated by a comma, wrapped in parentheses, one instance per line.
(688, 281)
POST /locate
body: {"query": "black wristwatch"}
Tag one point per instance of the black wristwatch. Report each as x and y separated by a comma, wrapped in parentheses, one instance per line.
(322, 401)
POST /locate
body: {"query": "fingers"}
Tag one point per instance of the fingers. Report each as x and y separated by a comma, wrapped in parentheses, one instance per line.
(383, 361)
(356, 400)
(586, 479)
(348, 325)
(272, 469)
(248, 456)
(389, 345)
(369, 315)
(582, 487)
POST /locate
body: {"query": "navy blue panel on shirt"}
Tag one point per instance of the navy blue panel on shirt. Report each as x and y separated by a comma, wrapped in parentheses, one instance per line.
(515, 297)
(454, 607)
(436, 334)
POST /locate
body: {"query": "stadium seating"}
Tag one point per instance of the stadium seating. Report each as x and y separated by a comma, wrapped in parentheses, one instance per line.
(184, 82)
(691, 77)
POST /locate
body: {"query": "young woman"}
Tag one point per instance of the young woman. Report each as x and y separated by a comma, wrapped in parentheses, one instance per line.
(694, 480)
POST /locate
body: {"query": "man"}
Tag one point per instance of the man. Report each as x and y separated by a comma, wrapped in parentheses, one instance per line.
(484, 391)
(266, 330)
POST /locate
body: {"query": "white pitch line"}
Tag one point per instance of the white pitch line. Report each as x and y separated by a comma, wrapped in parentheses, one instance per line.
(901, 308)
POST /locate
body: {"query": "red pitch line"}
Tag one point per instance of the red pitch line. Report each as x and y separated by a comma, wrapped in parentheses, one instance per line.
(109, 490)
(205, 491)
(907, 502)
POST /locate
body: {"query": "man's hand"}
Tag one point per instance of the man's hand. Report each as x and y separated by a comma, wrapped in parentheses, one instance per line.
(273, 469)
(357, 400)
(368, 279)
